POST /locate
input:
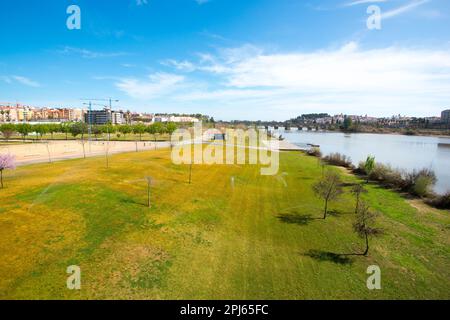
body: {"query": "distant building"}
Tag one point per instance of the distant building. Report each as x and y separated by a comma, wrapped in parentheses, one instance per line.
(104, 116)
(445, 116)
(183, 119)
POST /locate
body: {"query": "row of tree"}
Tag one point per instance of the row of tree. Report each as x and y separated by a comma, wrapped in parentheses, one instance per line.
(81, 129)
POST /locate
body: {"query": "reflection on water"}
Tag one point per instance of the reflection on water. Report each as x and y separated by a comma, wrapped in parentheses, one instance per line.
(403, 152)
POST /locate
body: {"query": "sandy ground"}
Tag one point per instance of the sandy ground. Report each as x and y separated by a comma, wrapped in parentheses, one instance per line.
(61, 150)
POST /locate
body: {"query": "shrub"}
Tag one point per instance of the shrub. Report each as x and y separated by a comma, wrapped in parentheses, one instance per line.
(379, 172)
(440, 202)
(360, 168)
(417, 180)
(422, 186)
(315, 152)
(338, 159)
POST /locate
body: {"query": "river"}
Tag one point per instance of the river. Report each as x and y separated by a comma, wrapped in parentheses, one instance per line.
(400, 151)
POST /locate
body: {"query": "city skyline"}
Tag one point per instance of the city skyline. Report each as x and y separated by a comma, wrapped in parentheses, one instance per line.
(255, 60)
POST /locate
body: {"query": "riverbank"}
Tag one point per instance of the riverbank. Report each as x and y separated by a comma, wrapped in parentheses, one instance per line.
(399, 151)
(404, 132)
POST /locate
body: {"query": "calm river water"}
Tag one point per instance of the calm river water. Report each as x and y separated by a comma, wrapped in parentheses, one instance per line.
(403, 152)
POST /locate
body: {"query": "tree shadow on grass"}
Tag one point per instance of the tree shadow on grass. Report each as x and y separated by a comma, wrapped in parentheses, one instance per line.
(337, 258)
(301, 219)
(338, 213)
(132, 201)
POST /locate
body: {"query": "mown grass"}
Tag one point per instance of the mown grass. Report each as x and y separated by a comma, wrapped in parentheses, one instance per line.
(260, 239)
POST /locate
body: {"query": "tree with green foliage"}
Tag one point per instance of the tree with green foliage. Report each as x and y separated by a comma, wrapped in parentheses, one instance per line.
(348, 123)
(41, 129)
(78, 128)
(53, 128)
(369, 166)
(139, 129)
(171, 127)
(7, 130)
(158, 128)
(24, 129)
(65, 128)
(364, 225)
(328, 188)
(125, 129)
(109, 129)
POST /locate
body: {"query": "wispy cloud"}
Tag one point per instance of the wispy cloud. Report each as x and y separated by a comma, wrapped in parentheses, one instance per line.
(179, 65)
(20, 79)
(354, 3)
(156, 85)
(200, 2)
(403, 9)
(88, 54)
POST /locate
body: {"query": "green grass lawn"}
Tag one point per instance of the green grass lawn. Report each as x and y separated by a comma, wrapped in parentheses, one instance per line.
(207, 240)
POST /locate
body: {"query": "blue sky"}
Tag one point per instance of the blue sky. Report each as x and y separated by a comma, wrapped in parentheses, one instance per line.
(232, 59)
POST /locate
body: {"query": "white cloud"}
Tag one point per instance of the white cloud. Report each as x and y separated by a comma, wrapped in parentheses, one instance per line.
(354, 3)
(20, 79)
(179, 65)
(346, 79)
(403, 9)
(88, 54)
(157, 84)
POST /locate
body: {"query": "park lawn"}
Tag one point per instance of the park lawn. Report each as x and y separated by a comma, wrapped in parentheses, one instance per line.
(207, 240)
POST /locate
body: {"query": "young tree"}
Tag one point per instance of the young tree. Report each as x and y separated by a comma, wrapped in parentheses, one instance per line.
(109, 129)
(65, 128)
(41, 129)
(6, 162)
(364, 225)
(125, 129)
(369, 166)
(357, 190)
(328, 188)
(171, 127)
(53, 128)
(139, 129)
(7, 130)
(24, 129)
(158, 128)
(77, 129)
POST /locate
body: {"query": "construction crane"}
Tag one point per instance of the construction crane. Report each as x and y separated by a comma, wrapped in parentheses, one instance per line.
(90, 104)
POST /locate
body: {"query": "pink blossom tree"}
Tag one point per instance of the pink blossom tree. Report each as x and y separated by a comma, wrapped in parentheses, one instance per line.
(7, 161)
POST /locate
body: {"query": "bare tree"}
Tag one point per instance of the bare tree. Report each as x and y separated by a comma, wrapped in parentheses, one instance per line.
(357, 190)
(364, 225)
(328, 188)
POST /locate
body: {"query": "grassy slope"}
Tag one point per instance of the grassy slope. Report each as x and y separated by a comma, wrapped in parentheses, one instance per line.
(206, 240)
